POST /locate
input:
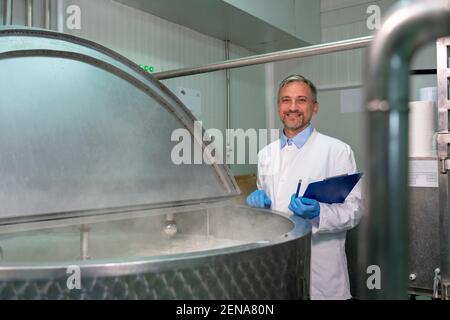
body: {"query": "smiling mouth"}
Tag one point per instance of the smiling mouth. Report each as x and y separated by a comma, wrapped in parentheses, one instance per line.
(293, 114)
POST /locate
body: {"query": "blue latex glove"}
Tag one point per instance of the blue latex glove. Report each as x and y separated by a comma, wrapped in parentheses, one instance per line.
(304, 207)
(259, 199)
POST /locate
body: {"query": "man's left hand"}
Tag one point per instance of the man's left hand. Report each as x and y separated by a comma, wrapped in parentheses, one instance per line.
(304, 207)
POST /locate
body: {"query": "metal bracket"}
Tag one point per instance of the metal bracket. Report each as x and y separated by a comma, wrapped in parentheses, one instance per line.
(436, 283)
(445, 165)
(443, 140)
(445, 288)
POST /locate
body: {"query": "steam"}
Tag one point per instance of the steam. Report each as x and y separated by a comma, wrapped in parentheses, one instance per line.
(213, 227)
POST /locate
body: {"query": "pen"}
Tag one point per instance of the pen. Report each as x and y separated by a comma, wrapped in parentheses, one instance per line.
(298, 187)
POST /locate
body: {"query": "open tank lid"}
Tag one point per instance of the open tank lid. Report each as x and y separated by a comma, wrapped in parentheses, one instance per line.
(85, 131)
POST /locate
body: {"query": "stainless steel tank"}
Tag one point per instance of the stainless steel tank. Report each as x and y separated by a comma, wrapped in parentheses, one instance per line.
(92, 207)
(219, 252)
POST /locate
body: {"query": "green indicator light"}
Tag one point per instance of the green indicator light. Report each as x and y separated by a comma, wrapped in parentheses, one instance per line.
(147, 68)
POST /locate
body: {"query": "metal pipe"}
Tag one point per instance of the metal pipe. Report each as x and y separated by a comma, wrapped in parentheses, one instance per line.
(228, 102)
(84, 241)
(443, 141)
(7, 12)
(270, 57)
(59, 16)
(170, 228)
(436, 283)
(29, 13)
(47, 15)
(410, 25)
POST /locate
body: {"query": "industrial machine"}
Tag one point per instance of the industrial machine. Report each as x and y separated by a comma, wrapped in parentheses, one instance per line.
(410, 247)
(92, 207)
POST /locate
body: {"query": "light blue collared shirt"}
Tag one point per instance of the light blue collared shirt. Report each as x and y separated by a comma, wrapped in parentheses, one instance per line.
(299, 140)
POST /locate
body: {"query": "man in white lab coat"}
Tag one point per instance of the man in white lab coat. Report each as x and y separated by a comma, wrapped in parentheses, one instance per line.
(304, 153)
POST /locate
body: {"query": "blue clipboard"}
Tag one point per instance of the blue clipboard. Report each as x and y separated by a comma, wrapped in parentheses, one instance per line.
(334, 189)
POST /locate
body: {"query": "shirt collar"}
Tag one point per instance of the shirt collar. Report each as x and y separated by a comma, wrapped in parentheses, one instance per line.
(299, 140)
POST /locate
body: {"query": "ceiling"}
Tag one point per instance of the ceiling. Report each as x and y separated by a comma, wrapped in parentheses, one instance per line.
(221, 20)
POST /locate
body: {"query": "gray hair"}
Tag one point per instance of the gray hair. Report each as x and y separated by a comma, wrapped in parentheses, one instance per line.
(297, 78)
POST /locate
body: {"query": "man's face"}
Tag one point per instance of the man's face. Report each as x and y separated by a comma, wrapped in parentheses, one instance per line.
(296, 106)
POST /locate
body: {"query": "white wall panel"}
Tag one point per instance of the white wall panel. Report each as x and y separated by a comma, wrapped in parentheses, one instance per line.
(341, 19)
(328, 5)
(248, 104)
(345, 19)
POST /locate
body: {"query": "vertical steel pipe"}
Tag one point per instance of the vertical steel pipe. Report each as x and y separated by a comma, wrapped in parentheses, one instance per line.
(84, 242)
(29, 13)
(7, 12)
(47, 15)
(410, 25)
(228, 103)
(443, 141)
(59, 16)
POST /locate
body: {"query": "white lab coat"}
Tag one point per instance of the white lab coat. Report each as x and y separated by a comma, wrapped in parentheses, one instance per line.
(320, 157)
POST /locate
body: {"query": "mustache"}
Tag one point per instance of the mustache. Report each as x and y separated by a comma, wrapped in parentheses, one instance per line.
(299, 113)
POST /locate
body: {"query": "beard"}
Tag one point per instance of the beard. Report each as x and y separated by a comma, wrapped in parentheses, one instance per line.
(294, 125)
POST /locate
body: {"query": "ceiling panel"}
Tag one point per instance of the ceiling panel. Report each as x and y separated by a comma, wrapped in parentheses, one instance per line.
(221, 20)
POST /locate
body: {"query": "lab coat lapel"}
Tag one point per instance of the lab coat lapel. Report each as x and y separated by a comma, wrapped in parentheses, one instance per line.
(276, 167)
(288, 173)
(294, 172)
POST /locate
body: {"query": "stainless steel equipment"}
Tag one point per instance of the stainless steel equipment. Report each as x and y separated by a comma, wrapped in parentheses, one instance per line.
(220, 252)
(87, 189)
(412, 24)
(423, 243)
(88, 204)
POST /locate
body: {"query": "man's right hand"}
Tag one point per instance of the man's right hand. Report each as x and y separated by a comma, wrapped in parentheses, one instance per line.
(259, 199)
